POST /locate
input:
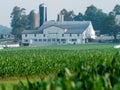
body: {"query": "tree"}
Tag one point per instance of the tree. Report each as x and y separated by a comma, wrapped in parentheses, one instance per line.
(90, 13)
(116, 9)
(115, 31)
(79, 17)
(68, 15)
(96, 16)
(19, 21)
(109, 26)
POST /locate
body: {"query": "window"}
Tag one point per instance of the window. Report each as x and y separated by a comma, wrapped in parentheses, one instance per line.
(74, 40)
(25, 40)
(62, 35)
(35, 40)
(70, 34)
(78, 35)
(53, 39)
(44, 40)
(40, 40)
(34, 35)
(44, 35)
(49, 40)
(58, 40)
(25, 35)
(63, 40)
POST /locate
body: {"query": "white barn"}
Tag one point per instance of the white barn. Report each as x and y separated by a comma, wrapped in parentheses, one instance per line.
(59, 33)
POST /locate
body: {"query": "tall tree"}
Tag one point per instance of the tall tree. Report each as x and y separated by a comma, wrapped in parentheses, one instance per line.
(116, 9)
(115, 31)
(19, 21)
(79, 17)
(68, 15)
(96, 16)
(109, 26)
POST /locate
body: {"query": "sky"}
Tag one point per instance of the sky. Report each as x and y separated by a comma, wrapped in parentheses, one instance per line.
(53, 7)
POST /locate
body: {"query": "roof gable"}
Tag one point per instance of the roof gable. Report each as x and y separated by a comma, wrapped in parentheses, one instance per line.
(53, 29)
(53, 26)
(74, 27)
(71, 26)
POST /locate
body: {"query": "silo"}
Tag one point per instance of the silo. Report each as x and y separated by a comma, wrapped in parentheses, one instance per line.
(34, 19)
(60, 17)
(42, 13)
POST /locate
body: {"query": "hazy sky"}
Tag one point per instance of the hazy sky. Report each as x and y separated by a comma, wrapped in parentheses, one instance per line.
(53, 6)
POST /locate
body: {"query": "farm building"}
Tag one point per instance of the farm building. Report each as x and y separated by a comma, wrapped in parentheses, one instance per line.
(59, 33)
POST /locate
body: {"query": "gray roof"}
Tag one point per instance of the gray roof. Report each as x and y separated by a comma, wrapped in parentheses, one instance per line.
(71, 26)
(32, 31)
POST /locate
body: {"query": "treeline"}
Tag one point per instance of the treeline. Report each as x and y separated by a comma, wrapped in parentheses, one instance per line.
(105, 22)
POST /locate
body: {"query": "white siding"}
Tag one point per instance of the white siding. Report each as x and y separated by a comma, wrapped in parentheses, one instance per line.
(53, 30)
(55, 35)
(89, 32)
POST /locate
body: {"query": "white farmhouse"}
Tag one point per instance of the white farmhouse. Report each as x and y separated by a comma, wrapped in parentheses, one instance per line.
(59, 33)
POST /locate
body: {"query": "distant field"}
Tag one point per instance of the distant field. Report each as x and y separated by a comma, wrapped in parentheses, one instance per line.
(69, 47)
(81, 47)
(91, 60)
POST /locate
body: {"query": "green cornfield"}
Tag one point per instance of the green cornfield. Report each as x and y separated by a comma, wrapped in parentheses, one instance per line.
(69, 67)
